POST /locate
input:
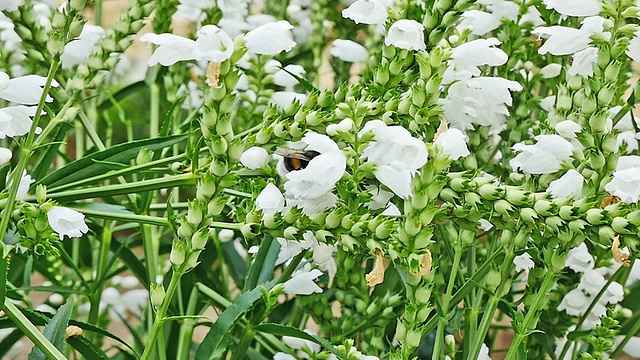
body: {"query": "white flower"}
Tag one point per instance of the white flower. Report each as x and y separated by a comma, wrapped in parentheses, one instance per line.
(285, 98)
(483, 22)
(406, 34)
(544, 157)
(25, 90)
(583, 62)
(121, 306)
(564, 40)
(551, 71)
(213, 44)
(626, 179)
(633, 51)
(480, 100)
(397, 156)
(314, 206)
(270, 39)
(192, 9)
(302, 282)
(380, 197)
(569, 185)
(16, 121)
(288, 249)
(613, 295)
(322, 173)
(574, 303)
(568, 129)
(78, 50)
(366, 12)
(270, 200)
(453, 143)
(591, 282)
(254, 158)
(25, 182)
(5, 156)
(523, 262)
(323, 257)
(283, 356)
(468, 57)
(343, 126)
(288, 81)
(226, 235)
(67, 222)
(575, 7)
(484, 353)
(298, 344)
(350, 51)
(579, 259)
(632, 348)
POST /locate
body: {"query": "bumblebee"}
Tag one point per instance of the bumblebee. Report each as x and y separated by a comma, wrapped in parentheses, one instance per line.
(296, 159)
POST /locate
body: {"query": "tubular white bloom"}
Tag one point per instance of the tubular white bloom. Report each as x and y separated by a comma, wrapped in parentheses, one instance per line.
(575, 7)
(316, 205)
(350, 51)
(366, 12)
(591, 282)
(633, 51)
(579, 259)
(484, 353)
(16, 121)
(380, 198)
(297, 343)
(323, 257)
(453, 143)
(574, 303)
(523, 262)
(25, 182)
(551, 71)
(213, 44)
(343, 126)
(632, 348)
(10, 5)
(318, 178)
(626, 179)
(406, 34)
(564, 40)
(67, 222)
(467, 57)
(283, 78)
(613, 295)
(226, 235)
(288, 249)
(270, 200)
(285, 98)
(283, 356)
(26, 90)
(78, 50)
(254, 158)
(270, 39)
(583, 61)
(544, 157)
(480, 22)
(568, 129)
(397, 156)
(568, 185)
(480, 100)
(5, 155)
(302, 282)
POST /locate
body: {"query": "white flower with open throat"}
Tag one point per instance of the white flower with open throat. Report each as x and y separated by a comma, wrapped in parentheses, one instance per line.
(406, 34)
(366, 12)
(544, 157)
(271, 38)
(67, 222)
(626, 179)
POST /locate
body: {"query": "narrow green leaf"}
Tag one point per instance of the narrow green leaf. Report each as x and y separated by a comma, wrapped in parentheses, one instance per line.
(55, 330)
(86, 348)
(118, 213)
(215, 343)
(4, 265)
(87, 166)
(261, 269)
(9, 341)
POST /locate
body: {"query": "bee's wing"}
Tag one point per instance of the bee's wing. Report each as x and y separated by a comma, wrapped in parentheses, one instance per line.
(293, 153)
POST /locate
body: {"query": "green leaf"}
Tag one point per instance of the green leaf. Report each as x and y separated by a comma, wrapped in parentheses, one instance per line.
(55, 330)
(261, 269)
(215, 343)
(122, 94)
(86, 348)
(87, 166)
(4, 266)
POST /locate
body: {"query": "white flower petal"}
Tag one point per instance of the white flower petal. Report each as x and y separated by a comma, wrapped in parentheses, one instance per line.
(270, 200)
(270, 39)
(254, 158)
(350, 51)
(171, 49)
(67, 222)
(406, 34)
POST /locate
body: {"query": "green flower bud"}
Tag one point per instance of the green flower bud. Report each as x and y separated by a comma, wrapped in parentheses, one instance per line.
(503, 207)
(249, 230)
(55, 46)
(383, 231)
(568, 212)
(206, 187)
(157, 295)
(178, 253)
(521, 240)
(620, 225)
(290, 233)
(528, 215)
(558, 261)
(23, 32)
(414, 337)
(606, 234)
(605, 95)
(270, 221)
(41, 223)
(412, 226)
(59, 20)
(554, 223)
(373, 309)
(467, 237)
(218, 145)
(634, 217)
(574, 82)
(185, 231)
(194, 214)
(41, 194)
(596, 216)
(381, 75)
(219, 166)
(609, 144)
(545, 208)
(493, 279)
(517, 197)
(223, 127)
(577, 225)
(200, 238)
(348, 241)
(347, 222)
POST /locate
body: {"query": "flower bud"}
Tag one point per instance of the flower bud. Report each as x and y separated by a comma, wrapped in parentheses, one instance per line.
(157, 294)
(59, 20)
(503, 207)
(200, 238)
(558, 261)
(219, 166)
(545, 208)
(383, 231)
(493, 279)
(41, 194)
(290, 233)
(619, 225)
(192, 261)
(596, 216)
(528, 215)
(178, 253)
(554, 223)
(248, 230)
(185, 231)
(577, 226)
(606, 234)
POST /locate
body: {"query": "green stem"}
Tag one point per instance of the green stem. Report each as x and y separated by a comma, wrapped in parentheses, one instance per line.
(16, 175)
(532, 316)
(162, 312)
(248, 333)
(102, 261)
(32, 332)
(438, 347)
